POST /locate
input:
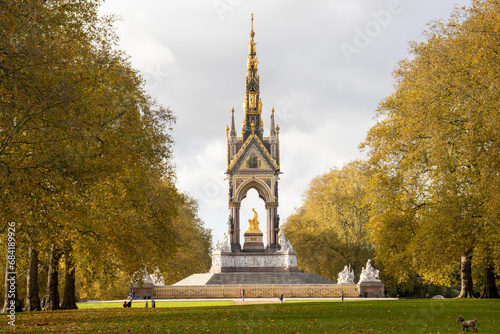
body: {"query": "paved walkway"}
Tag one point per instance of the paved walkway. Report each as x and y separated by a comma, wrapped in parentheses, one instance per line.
(248, 301)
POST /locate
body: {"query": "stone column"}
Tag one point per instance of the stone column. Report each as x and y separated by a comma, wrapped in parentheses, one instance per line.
(269, 225)
(272, 229)
(234, 211)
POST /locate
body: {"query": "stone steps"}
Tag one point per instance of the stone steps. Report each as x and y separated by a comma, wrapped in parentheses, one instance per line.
(195, 279)
(266, 278)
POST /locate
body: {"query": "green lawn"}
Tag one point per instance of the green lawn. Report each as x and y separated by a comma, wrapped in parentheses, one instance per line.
(140, 304)
(402, 316)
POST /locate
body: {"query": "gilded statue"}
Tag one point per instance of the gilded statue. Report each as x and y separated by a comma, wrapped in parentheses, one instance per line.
(252, 101)
(253, 222)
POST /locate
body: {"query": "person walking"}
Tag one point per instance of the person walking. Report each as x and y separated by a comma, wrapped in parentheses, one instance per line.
(153, 304)
(243, 294)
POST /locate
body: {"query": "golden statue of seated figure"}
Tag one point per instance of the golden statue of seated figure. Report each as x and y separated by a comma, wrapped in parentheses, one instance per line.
(253, 222)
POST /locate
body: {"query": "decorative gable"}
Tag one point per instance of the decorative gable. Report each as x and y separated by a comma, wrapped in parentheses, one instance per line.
(253, 85)
(253, 156)
(253, 160)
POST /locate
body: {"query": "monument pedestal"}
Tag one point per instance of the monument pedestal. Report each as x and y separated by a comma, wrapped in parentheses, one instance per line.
(252, 262)
(253, 242)
(369, 284)
(371, 289)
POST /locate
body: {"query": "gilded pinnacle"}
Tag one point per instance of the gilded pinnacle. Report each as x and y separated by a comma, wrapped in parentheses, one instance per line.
(252, 33)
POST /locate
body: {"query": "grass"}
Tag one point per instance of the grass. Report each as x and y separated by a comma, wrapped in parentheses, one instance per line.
(402, 316)
(140, 304)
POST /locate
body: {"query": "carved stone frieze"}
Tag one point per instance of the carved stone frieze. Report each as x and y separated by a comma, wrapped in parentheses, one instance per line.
(278, 259)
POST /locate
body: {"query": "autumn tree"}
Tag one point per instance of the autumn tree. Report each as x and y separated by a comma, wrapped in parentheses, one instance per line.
(85, 153)
(183, 252)
(329, 230)
(193, 241)
(435, 152)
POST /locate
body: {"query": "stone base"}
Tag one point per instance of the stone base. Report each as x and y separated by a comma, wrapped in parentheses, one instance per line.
(371, 289)
(257, 270)
(226, 262)
(260, 286)
(273, 248)
(141, 292)
(253, 242)
(261, 278)
(235, 248)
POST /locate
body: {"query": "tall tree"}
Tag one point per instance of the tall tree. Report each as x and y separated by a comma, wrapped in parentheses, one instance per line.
(52, 297)
(69, 295)
(193, 241)
(329, 230)
(32, 295)
(85, 153)
(436, 143)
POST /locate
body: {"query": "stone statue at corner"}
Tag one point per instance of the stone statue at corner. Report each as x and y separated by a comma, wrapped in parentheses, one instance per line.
(230, 224)
(346, 276)
(369, 273)
(224, 245)
(284, 244)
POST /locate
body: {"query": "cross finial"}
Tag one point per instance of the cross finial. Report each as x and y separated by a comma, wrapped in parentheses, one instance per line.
(252, 34)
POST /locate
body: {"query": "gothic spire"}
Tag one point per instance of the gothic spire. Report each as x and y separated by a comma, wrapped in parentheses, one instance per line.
(252, 34)
(252, 62)
(252, 103)
(273, 127)
(233, 127)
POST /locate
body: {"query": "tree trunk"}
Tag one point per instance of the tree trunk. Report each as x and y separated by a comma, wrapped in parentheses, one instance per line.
(32, 297)
(467, 290)
(69, 298)
(490, 288)
(10, 289)
(52, 302)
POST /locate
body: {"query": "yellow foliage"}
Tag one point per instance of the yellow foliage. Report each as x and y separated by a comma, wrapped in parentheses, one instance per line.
(435, 150)
(329, 230)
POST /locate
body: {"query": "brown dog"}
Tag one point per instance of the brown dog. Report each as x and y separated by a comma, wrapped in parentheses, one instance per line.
(467, 323)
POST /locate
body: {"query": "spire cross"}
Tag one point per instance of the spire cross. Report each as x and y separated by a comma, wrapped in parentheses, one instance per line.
(252, 34)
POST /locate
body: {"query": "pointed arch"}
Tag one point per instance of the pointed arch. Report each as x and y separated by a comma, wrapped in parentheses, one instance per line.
(262, 189)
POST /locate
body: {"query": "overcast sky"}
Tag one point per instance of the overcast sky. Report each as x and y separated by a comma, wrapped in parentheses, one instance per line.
(324, 66)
